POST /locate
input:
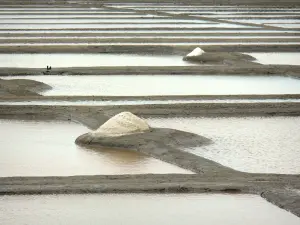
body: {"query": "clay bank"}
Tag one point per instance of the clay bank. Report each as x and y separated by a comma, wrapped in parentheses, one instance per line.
(126, 130)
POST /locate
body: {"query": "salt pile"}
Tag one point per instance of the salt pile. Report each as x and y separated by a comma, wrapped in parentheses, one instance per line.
(196, 52)
(122, 124)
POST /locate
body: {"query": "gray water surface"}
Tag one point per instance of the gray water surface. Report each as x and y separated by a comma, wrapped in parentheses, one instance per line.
(249, 144)
(146, 209)
(277, 58)
(88, 60)
(136, 85)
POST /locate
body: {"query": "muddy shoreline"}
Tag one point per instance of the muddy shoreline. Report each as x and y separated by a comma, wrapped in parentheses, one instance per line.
(75, 98)
(150, 49)
(218, 70)
(259, 184)
(94, 116)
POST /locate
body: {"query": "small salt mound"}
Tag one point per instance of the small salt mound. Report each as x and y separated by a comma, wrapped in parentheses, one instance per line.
(122, 124)
(196, 52)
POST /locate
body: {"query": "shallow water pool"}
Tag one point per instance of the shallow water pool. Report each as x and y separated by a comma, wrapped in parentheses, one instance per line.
(88, 60)
(139, 209)
(277, 58)
(131, 85)
(30, 148)
(249, 144)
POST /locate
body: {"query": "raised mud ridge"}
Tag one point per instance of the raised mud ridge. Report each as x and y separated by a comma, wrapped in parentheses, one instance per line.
(21, 87)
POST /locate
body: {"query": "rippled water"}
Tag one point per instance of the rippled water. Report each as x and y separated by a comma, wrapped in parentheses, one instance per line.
(250, 144)
(167, 85)
(147, 209)
(31, 148)
(279, 58)
(88, 60)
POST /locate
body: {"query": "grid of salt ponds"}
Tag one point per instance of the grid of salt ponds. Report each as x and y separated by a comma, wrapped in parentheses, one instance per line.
(277, 58)
(249, 144)
(88, 60)
(144, 209)
(143, 102)
(221, 11)
(40, 148)
(166, 85)
(154, 24)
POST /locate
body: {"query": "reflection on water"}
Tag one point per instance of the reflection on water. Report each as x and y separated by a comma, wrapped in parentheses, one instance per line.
(87, 60)
(279, 58)
(250, 144)
(166, 85)
(147, 209)
(31, 148)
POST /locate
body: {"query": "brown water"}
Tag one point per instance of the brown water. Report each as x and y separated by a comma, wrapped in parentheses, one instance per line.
(31, 148)
(137, 209)
(250, 144)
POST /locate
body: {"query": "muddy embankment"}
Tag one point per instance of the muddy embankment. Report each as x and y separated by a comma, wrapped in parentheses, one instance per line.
(266, 70)
(21, 87)
(154, 49)
(270, 186)
(86, 113)
(74, 99)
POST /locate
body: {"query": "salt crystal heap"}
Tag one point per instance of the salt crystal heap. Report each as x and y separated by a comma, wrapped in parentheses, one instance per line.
(122, 124)
(196, 52)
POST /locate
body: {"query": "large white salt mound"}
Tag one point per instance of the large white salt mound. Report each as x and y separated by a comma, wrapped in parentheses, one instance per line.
(196, 52)
(122, 124)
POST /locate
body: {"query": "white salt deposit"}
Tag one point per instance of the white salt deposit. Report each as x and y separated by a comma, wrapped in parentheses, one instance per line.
(196, 52)
(122, 124)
